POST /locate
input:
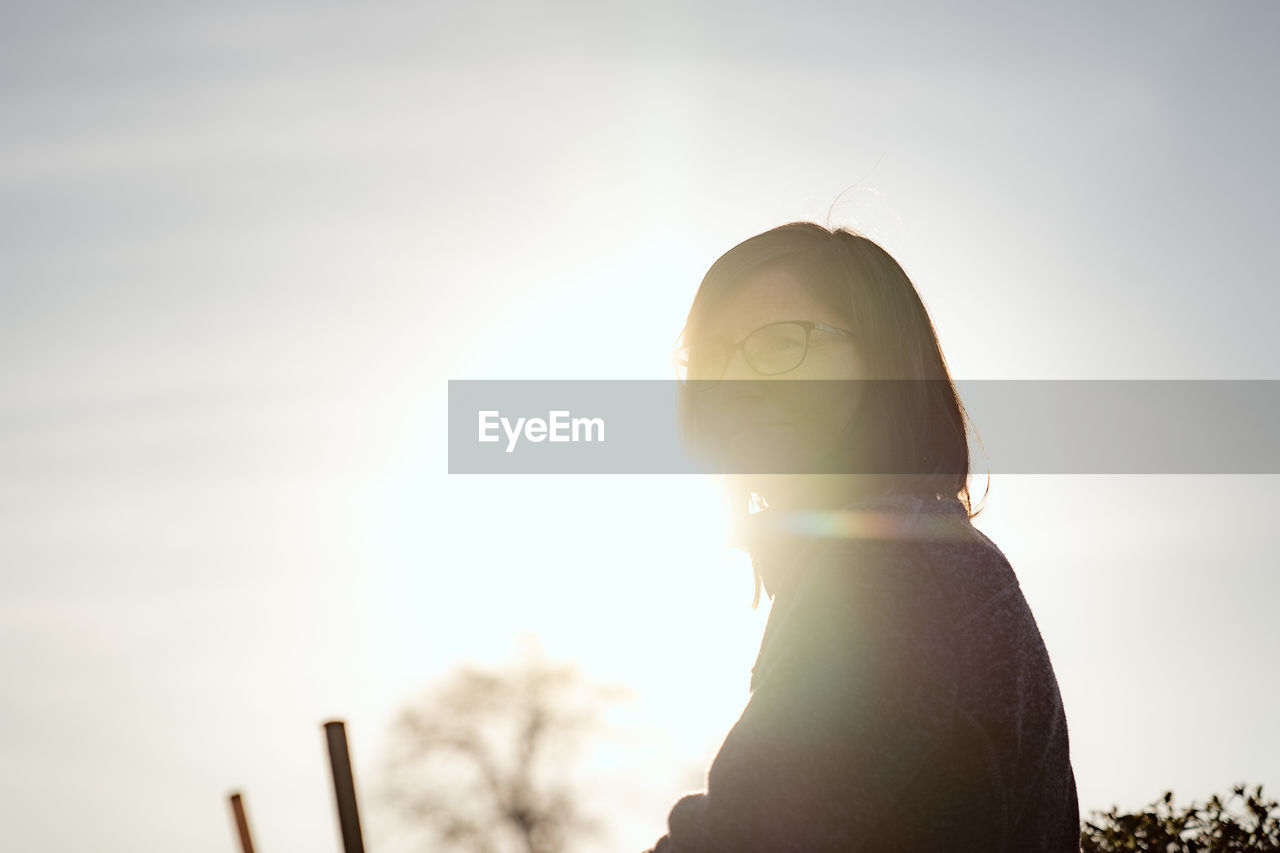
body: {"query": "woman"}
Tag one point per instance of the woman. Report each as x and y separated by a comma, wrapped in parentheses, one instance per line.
(902, 699)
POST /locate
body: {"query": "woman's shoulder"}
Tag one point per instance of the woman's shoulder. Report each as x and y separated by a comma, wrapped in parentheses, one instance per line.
(871, 583)
(912, 545)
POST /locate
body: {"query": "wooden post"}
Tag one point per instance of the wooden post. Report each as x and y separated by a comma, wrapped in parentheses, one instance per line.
(242, 823)
(344, 787)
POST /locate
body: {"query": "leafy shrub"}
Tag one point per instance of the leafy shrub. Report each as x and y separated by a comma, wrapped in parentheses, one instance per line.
(1216, 827)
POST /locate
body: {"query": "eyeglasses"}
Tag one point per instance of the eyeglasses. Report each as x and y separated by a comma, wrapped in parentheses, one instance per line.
(772, 349)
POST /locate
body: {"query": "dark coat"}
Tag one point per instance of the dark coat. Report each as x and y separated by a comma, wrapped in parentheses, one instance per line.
(902, 701)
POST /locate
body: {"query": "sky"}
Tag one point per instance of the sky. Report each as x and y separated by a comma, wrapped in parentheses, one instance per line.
(244, 247)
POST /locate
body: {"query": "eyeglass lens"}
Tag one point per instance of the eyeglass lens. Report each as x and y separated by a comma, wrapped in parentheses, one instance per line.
(770, 350)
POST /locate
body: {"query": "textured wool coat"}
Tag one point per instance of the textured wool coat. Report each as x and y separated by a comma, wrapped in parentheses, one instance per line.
(902, 700)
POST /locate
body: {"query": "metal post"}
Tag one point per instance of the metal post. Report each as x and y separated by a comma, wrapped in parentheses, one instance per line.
(242, 823)
(344, 787)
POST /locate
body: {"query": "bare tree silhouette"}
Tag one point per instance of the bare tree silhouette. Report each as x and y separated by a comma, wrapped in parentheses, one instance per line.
(482, 761)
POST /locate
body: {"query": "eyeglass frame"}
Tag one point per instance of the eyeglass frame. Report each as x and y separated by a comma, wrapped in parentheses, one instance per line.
(809, 327)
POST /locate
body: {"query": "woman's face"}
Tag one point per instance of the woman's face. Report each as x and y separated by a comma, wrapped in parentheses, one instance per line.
(768, 425)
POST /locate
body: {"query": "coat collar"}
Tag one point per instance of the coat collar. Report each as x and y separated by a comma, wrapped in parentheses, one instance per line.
(781, 543)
